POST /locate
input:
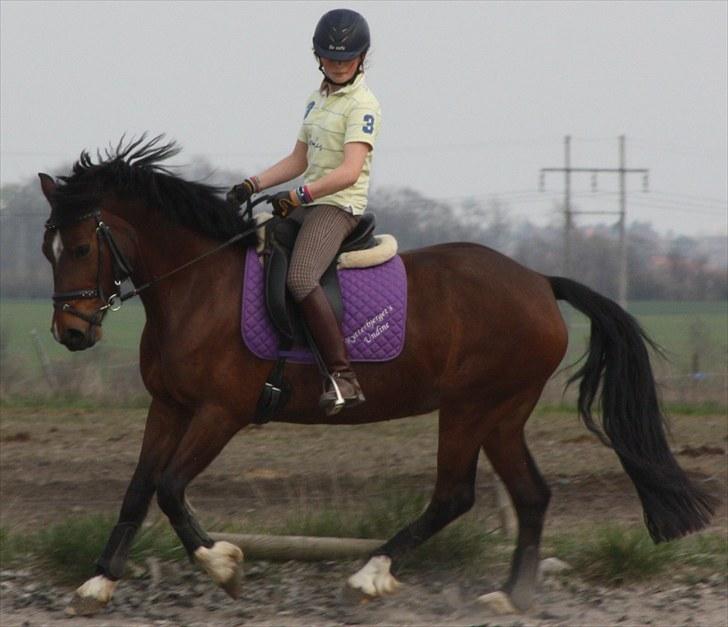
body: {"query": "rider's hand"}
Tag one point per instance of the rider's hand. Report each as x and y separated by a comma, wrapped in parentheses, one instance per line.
(238, 194)
(283, 203)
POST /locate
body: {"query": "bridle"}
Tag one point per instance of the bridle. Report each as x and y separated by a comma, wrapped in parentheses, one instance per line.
(121, 268)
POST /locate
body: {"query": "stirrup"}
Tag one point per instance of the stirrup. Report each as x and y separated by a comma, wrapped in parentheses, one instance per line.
(339, 403)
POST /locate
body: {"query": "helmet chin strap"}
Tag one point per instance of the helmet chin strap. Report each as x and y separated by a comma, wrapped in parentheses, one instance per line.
(344, 84)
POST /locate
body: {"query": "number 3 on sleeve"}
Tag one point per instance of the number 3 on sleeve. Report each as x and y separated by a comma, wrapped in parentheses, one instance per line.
(368, 124)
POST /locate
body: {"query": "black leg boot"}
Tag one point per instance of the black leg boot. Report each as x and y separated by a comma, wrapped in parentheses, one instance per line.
(324, 328)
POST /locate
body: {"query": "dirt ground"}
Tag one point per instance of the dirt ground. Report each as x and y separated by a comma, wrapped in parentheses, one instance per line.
(59, 462)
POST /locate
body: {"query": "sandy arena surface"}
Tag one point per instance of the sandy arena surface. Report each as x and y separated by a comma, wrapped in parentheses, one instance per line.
(60, 462)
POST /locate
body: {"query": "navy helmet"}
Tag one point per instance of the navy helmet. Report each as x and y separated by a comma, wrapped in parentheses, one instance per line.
(341, 35)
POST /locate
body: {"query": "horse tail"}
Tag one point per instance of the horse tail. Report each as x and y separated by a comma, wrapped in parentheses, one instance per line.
(617, 373)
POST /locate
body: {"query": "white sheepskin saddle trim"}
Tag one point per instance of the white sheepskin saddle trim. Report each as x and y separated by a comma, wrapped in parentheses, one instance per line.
(385, 249)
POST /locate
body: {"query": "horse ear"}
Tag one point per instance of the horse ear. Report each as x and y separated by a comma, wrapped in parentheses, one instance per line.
(48, 185)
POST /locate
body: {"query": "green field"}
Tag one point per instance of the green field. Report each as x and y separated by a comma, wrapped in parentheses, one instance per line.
(690, 332)
(18, 318)
(682, 329)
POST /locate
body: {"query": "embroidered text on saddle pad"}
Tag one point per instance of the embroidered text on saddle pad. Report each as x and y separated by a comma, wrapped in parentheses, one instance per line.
(374, 314)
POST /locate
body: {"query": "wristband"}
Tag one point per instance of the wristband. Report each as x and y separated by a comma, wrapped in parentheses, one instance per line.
(304, 195)
(299, 195)
(256, 183)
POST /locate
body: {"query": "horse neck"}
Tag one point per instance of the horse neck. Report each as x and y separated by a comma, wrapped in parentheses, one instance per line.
(162, 247)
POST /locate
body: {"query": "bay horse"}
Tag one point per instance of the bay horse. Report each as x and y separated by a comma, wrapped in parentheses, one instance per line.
(483, 336)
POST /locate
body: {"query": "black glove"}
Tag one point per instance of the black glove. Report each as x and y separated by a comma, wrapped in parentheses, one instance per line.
(282, 204)
(238, 194)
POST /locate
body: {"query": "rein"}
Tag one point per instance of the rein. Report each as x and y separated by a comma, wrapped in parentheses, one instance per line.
(122, 269)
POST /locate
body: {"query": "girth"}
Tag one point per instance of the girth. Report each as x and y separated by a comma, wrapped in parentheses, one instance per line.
(280, 238)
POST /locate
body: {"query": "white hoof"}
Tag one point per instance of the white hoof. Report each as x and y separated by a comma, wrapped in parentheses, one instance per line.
(552, 566)
(91, 597)
(498, 602)
(374, 579)
(222, 563)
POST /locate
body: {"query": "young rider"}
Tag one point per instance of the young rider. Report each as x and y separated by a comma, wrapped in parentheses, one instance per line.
(333, 152)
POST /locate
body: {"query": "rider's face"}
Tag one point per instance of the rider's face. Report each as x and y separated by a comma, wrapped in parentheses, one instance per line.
(340, 71)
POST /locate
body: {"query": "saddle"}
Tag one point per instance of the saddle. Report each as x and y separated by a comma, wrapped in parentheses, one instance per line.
(366, 285)
(280, 237)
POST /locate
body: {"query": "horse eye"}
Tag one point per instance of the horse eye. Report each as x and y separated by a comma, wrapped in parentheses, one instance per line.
(81, 251)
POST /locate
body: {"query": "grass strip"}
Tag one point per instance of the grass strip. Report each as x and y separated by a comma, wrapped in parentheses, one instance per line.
(608, 555)
(69, 549)
(615, 555)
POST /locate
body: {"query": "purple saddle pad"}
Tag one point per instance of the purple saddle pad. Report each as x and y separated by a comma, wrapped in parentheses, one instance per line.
(374, 312)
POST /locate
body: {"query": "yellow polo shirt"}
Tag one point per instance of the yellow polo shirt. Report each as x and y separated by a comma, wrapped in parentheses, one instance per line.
(351, 114)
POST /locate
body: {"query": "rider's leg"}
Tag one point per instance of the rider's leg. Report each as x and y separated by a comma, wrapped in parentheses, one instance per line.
(324, 328)
(323, 230)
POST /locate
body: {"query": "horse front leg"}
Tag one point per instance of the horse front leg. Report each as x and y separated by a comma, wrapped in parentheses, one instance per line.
(163, 431)
(210, 430)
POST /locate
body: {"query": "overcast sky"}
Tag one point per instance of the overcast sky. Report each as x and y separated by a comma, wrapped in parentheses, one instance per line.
(476, 97)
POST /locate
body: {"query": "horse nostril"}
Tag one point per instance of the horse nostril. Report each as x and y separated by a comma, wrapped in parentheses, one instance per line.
(74, 339)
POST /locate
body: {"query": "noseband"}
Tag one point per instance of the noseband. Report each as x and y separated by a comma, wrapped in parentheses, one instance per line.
(120, 268)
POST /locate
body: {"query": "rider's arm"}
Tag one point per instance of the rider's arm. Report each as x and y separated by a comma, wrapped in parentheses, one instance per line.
(286, 169)
(355, 153)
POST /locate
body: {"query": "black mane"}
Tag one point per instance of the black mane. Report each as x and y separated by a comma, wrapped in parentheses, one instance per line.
(134, 171)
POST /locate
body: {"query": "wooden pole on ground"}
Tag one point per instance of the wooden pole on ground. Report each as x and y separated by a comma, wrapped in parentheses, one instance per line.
(301, 548)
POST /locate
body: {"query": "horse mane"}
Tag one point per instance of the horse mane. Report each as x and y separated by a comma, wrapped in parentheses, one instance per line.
(135, 170)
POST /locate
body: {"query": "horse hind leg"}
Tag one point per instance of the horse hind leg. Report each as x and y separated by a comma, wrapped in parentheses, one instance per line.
(507, 451)
(457, 460)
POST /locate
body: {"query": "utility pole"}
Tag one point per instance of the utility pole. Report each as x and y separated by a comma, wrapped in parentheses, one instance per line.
(569, 213)
(567, 206)
(622, 295)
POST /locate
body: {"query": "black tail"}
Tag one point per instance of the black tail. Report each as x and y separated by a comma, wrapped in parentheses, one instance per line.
(618, 370)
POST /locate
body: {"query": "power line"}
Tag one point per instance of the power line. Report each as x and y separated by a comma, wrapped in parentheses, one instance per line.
(495, 143)
(648, 204)
(700, 199)
(592, 140)
(622, 171)
(679, 148)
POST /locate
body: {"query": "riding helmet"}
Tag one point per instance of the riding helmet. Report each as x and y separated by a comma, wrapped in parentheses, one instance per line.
(341, 35)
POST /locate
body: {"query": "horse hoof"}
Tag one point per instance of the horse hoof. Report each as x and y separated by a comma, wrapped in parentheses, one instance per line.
(499, 603)
(234, 586)
(222, 563)
(552, 566)
(373, 580)
(352, 596)
(91, 597)
(84, 606)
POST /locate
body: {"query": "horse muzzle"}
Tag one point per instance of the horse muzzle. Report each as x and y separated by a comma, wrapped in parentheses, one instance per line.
(76, 340)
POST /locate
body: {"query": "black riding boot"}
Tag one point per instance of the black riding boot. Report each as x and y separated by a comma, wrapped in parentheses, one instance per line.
(324, 328)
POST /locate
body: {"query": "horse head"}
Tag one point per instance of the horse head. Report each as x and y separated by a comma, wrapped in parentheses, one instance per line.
(88, 265)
